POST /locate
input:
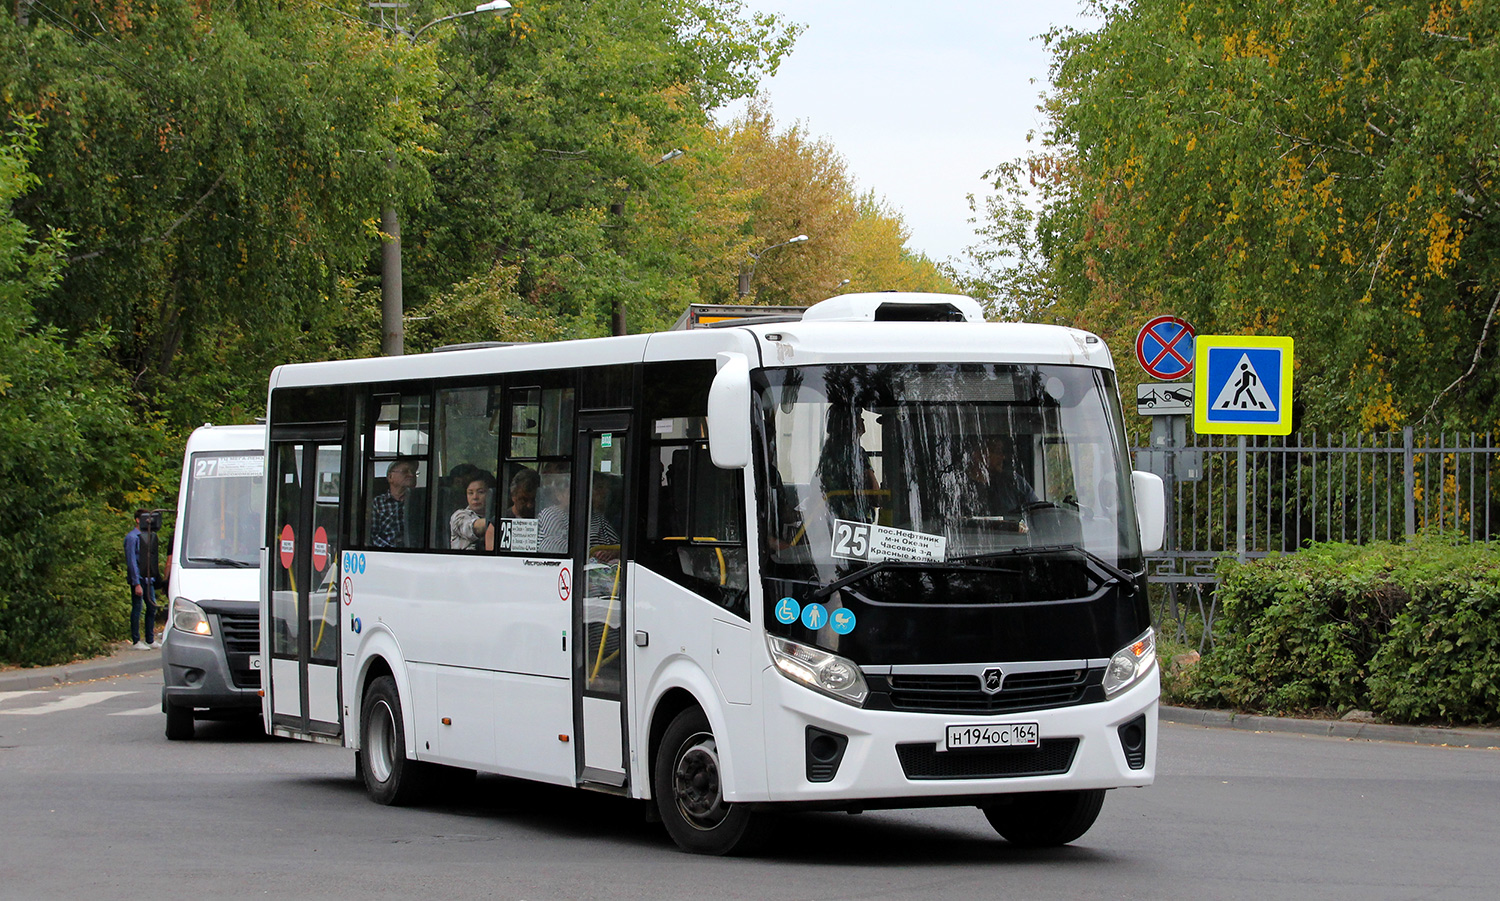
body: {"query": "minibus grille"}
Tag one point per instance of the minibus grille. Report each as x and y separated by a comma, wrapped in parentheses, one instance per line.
(962, 692)
(241, 633)
(1051, 757)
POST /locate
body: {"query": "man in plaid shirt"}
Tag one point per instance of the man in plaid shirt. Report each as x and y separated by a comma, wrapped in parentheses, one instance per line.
(388, 511)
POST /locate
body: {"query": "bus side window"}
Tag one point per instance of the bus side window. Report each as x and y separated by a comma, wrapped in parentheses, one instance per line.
(396, 511)
(536, 497)
(465, 448)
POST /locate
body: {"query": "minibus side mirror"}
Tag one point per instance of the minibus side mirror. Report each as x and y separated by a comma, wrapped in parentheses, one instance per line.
(729, 413)
(1150, 509)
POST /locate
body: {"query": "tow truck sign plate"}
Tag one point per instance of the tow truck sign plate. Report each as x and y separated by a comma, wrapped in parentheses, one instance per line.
(1162, 400)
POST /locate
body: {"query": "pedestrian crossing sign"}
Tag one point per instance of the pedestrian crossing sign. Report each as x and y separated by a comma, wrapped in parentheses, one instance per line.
(1242, 385)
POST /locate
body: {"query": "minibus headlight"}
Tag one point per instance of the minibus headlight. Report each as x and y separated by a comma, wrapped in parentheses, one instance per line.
(189, 617)
(819, 670)
(1130, 663)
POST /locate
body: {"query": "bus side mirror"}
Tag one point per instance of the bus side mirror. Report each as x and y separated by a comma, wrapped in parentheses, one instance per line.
(729, 413)
(1150, 509)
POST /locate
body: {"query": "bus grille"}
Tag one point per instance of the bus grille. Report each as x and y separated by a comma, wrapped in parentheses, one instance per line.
(961, 693)
(241, 640)
(1049, 758)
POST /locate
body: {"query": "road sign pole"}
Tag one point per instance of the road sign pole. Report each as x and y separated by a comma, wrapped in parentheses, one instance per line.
(1239, 503)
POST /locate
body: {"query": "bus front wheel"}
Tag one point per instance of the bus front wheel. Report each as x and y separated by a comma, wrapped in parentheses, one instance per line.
(390, 778)
(1044, 819)
(689, 791)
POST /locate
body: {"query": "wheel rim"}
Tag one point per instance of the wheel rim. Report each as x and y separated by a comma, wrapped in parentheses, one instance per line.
(695, 781)
(380, 741)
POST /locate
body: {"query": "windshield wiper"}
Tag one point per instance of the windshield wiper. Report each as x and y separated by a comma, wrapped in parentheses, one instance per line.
(225, 561)
(877, 566)
(1115, 573)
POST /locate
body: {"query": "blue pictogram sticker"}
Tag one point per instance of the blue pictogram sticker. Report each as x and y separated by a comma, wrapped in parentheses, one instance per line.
(814, 616)
(361, 564)
(787, 610)
(843, 621)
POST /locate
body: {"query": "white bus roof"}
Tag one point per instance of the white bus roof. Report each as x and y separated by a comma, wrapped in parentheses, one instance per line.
(847, 328)
(227, 437)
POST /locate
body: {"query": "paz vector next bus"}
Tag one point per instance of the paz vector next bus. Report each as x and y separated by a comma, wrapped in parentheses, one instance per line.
(880, 553)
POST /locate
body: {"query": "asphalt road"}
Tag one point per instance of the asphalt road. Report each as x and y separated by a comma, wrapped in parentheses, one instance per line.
(95, 803)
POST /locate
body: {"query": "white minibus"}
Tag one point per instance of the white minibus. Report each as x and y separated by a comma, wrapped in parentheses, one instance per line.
(880, 553)
(211, 646)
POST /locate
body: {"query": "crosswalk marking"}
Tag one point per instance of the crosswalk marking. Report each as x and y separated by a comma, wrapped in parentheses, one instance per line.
(71, 702)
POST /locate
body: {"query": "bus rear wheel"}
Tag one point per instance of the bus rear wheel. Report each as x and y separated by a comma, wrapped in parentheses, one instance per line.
(1045, 819)
(689, 792)
(390, 778)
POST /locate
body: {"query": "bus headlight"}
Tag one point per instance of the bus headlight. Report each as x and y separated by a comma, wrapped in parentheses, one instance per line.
(189, 617)
(1130, 663)
(819, 670)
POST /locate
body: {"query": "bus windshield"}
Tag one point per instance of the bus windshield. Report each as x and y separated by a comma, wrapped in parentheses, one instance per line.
(983, 469)
(224, 501)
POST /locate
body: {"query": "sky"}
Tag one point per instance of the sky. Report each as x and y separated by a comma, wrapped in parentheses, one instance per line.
(919, 98)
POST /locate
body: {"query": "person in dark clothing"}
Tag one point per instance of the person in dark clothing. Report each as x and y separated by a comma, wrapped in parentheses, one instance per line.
(1001, 486)
(140, 545)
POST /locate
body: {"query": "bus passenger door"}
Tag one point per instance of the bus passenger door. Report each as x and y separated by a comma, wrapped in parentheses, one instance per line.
(304, 583)
(599, 599)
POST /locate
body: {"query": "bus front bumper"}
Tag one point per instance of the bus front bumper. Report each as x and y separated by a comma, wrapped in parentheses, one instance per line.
(822, 752)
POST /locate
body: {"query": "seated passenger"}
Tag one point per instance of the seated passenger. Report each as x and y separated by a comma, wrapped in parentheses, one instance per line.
(388, 526)
(466, 528)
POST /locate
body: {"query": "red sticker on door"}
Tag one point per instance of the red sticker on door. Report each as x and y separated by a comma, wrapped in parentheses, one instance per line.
(565, 584)
(288, 545)
(320, 549)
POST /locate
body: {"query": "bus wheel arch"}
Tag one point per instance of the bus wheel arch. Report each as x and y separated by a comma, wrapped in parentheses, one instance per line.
(687, 787)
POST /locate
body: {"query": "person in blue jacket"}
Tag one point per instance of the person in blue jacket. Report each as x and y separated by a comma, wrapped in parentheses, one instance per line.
(139, 542)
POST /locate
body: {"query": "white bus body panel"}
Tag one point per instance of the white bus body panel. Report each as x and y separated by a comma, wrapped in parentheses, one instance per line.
(685, 630)
(482, 645)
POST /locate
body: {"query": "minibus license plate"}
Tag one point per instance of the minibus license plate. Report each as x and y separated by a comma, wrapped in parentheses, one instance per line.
(255, 661)
(991, 735)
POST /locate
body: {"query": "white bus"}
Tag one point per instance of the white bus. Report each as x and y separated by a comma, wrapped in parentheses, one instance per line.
(210, 655)
(884, 554)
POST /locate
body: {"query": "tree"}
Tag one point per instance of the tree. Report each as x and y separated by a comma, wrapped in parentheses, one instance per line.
(1325, 171)
(554, 131)
(218, 170)
(65, 463)
(800, 185)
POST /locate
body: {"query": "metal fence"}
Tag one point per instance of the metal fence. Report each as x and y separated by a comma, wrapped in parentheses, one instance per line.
(1250, 497)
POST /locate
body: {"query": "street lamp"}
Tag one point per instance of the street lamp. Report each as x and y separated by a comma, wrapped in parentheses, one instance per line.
(747, 274)
(393, 332)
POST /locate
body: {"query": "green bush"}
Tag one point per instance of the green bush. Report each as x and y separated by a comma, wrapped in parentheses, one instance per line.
(1407, 630)
(1441, 660)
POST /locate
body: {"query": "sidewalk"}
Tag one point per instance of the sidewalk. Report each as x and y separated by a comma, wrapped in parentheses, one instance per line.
(1422, 735)
(123, 661)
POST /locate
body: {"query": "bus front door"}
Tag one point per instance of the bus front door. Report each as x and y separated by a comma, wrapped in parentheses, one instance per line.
(599, 601)
(303, 626)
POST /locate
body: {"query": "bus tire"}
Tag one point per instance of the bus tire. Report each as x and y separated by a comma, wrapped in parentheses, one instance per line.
(179, 722)
(390, 778)
(1045, 819)
(689, 792)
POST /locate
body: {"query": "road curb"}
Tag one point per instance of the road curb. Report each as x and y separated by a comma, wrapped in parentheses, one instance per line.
(123, 663)
(1422, 735)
